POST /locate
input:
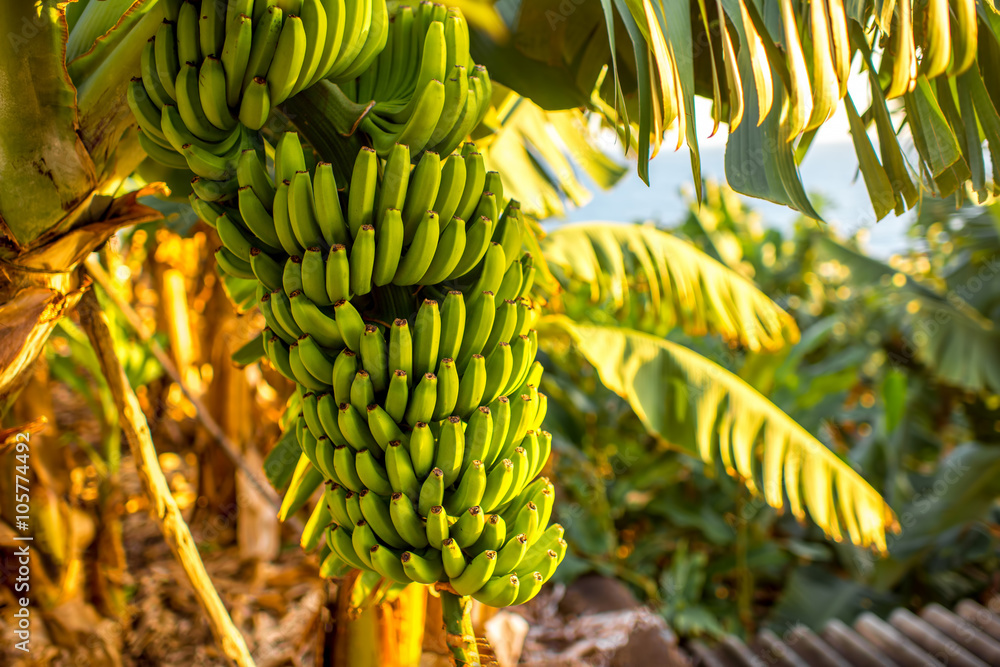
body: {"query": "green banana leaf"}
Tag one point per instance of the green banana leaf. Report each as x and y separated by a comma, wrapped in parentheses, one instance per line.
(780, 68)
(649, 279)
(699, 406)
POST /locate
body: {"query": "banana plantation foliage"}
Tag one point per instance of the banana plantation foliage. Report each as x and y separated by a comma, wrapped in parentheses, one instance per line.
(303, 259)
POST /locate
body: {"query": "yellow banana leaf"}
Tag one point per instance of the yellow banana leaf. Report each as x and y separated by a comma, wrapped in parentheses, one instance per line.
(657, 282)
(700, 406)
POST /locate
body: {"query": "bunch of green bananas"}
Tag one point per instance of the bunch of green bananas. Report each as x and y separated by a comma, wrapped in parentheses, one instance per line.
(412, 349)
(428, 93)
(215, 69)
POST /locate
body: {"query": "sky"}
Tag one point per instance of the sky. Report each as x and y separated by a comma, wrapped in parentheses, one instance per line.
(829, 170)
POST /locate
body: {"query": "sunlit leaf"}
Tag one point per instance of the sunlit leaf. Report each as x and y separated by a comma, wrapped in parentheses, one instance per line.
(663, 282)
(697, 405)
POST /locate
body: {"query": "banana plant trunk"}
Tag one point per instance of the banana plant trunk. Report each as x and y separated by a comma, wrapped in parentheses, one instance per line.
(66, 152)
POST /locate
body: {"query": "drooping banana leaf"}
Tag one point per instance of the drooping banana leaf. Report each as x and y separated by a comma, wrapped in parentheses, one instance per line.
(649, 279)
(699, 406)
(785, 64)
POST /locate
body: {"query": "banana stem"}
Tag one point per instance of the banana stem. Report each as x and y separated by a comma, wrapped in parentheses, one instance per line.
(167, 514)
(459, 635)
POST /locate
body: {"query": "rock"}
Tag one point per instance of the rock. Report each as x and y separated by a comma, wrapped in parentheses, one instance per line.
(506, 633)
(595, 594)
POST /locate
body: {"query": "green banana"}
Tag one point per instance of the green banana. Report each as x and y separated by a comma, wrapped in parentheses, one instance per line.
(451, 449)
(310, 318)
(500, 411)
(345, 367)
(300, 211)
(477, 242)
(236, 55)
(338, 274)
(469, 526)
(400, 349)
(329, 415)
(324, 458)
(354, 508)
(279, 356)
(339, 539)
(150, 78)
(335, 24)
(212, 93)
(423, 189)
(447, 254)
(372, 474)
(478, 437)
(316, 24)
(452, 186)
(190, 106)
(289, 157)
(421, 406)
(376, 512)
(499, 591)
(389, 247)
(344, 464)
(510, 284)
(374, 357)
(397, 395)
(302, 375)
(383, 429)
(420, 254)
(363, 260)
(481, 315)
(493, 536)
(499, 365)
(315, 361)
(437, 527)
(422, 449)
(188, 44)
(255, 105)
(447, 390)
(336, 499)
(362, 391)
(352, 326)
(388, 564)
(475, 181)
(398, 466)
(452, 558)
(282, 223)
(289, 56)
(233, 265)
(395, 177)
(361, 194)
(476, 574)
(329, 214)
(431, 492)
(407, 522)
(426, 339)
(453, 318)
(282, 310)
(165, 58)
(314, 277)
(498, 483)
(258, 219)
(364, 540)
(471, 485)
(291, 275)
(355, 429)
(267, 32)
(233, 237)
(472, 386)
(145, 110)
(422, 570)
(512, 553)
(493, 267)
